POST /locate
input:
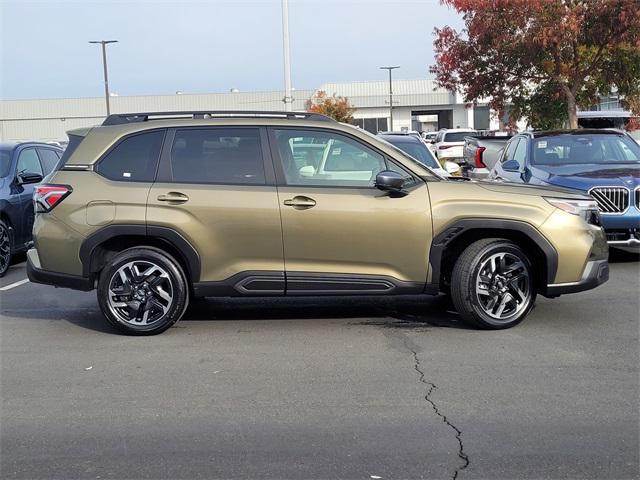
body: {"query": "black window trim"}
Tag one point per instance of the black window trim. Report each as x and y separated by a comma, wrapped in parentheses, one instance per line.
(165, 172)
(282, 180)
(113, 146)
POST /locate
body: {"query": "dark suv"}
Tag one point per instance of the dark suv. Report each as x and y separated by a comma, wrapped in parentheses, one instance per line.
(22, 165)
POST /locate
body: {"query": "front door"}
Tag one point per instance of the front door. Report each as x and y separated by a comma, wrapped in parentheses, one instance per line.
(341, 234)
(216, 188)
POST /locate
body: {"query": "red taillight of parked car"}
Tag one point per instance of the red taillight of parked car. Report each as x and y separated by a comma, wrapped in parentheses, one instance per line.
(46, 197)
(478, 158)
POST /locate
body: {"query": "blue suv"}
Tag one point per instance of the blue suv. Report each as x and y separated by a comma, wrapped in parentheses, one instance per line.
(604, 163)
(22, 166)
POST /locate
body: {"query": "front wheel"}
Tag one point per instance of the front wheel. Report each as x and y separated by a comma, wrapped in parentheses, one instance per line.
(5, 248)
(142, 291)
(492, 284)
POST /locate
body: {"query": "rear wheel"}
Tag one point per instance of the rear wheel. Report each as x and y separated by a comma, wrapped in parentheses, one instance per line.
(5, 248)
(143, 291)
(492, 284)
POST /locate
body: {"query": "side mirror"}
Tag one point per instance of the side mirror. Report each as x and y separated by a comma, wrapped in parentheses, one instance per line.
(307, 171)
(511, 166)
(390, 181)
(29, 177)
(452, 168)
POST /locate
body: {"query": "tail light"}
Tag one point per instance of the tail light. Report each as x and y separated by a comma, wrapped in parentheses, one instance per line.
(478, 157)
(46, 197)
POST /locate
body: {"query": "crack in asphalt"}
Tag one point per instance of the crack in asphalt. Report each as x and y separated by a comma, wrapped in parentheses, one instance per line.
(432, 387)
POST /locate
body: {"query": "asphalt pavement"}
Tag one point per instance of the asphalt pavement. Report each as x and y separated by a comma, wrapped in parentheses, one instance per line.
(324, 388)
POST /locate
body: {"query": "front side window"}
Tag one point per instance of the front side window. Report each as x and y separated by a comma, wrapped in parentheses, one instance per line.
(28, 162)
(134, 159)
(330, 159)
(511, 150)
(520, 154)
(218, 155)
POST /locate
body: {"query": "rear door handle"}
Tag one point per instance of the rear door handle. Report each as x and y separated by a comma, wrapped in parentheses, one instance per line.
(173, 197)
(300, 202)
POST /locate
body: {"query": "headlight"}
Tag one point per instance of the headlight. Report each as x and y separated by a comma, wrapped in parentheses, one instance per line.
(586, 209)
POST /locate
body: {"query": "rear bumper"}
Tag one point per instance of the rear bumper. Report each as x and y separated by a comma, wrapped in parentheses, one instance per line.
(62, 280)
(595, 273)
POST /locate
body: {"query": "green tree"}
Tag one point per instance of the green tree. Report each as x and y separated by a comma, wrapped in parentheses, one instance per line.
(539, 55)
(335, 107)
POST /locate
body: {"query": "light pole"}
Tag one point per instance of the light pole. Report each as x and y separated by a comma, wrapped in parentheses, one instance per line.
(285, 52)
(104, 66)
(390, 97)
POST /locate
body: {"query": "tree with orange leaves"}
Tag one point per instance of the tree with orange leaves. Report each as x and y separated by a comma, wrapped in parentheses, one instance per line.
(335, 107)
(539, 54)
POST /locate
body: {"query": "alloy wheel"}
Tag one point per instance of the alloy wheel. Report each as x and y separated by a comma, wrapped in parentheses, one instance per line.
(503, 286)
(5, 248)
(140, 293)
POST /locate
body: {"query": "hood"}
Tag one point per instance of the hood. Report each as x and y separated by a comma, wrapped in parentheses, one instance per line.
(523, 189)
(583, 177)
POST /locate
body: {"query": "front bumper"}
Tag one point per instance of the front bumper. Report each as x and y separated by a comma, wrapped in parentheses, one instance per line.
(62, 280)
(595, 273)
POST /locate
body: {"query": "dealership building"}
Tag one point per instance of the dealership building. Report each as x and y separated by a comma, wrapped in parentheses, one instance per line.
(417, 105)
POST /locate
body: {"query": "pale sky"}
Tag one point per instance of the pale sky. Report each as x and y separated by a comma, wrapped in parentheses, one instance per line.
(209, 46)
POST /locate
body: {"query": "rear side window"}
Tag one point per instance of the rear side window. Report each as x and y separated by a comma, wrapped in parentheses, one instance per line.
(133, 159)
(49, 159)
(218, 155)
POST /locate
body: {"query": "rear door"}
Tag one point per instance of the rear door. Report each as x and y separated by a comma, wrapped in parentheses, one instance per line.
(216, 188)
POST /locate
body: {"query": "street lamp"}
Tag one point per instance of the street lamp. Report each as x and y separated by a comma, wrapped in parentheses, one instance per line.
(104, 66)
(390, 97)
(288, 100)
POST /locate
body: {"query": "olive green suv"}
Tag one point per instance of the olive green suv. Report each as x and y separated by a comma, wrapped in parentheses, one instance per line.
(155, 209)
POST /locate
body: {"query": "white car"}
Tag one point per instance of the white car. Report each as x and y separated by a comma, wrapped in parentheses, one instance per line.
(449, 144)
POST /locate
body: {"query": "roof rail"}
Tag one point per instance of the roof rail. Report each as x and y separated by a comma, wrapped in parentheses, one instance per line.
(123, 118)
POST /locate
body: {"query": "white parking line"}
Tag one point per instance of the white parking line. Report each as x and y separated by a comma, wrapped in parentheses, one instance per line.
(14, 285)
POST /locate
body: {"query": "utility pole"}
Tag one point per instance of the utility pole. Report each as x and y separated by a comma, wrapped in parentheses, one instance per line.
(104, 66)
(288, 100)
(390, 97)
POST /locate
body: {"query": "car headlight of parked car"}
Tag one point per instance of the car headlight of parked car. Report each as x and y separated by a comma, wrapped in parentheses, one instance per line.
(586, 209)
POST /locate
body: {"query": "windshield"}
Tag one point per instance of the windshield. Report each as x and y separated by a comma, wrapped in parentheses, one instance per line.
(417, 150)
(5, 162)
(585, 149)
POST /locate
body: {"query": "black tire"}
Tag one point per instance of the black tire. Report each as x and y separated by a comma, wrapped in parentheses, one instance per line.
(159, 299)
(478, 291)
(6, 247)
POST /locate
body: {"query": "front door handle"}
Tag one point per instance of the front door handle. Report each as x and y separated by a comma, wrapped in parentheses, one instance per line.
(174, 198)
(300, 202)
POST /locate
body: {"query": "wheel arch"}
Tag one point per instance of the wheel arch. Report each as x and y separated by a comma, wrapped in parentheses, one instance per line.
(450, 243)
(104, 244)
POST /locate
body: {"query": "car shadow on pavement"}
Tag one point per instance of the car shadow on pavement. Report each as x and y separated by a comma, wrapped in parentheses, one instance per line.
(392, 312)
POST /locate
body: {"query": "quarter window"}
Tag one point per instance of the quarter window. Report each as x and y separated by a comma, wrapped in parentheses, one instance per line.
(218, 155)
(134, 159)
(28, 162)
(327, 159)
